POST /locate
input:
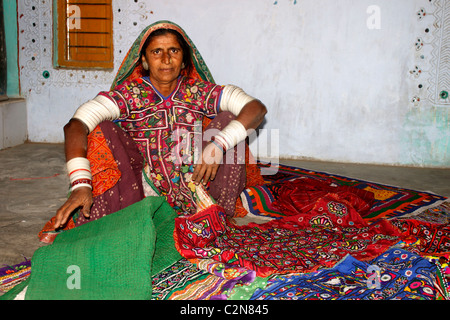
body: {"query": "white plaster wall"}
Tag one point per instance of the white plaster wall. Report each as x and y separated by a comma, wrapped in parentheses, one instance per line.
(335, 89)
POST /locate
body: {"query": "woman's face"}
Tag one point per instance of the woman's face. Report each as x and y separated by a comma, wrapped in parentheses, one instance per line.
(164, 57)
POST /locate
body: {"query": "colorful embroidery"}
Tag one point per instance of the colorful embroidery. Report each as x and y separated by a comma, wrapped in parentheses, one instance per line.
(394, 275)
(388, 201)
(167, 130)
(433, 238)
(201, 279)
(337, 208)
(299, 243)
(105, 171)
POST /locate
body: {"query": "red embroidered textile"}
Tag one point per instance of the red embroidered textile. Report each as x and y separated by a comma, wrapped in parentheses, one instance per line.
(300, 195)
(48, 232)
(304, 242)
(433, 238)
(194, 233)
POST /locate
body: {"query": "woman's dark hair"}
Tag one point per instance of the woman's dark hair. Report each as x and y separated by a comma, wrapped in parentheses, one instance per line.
(183, 44)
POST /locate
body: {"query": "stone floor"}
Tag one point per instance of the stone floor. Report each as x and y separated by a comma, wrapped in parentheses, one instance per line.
(33, 185)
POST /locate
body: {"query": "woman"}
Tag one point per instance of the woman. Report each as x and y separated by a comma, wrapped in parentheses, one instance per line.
(163, 87)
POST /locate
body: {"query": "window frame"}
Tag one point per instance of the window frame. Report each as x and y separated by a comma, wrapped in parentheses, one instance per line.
(61, 19)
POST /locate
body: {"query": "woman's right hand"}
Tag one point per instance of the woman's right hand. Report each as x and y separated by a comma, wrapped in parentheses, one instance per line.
(79, 198)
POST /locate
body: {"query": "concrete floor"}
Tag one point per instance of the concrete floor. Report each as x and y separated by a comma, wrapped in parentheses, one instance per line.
(33, 185)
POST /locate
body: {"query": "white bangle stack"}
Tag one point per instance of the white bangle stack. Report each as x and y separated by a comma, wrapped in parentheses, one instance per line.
(234, 99)
(97, 110)
(231, 135)
(80, 175)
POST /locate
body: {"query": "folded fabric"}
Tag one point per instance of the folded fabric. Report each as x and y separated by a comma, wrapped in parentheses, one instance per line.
(199, 279)
(394, 275)
(433, 238)
(165, 252)
(110, 258)
(299, 195)
(299, 243)
(258, 200)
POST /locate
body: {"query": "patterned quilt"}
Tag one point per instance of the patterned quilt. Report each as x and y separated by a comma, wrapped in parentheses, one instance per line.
(395, 275)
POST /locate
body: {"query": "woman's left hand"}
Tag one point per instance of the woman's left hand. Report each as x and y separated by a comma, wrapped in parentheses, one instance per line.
(209, 163)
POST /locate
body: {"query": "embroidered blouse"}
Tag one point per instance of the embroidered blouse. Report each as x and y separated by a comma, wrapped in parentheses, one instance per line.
(167, 130)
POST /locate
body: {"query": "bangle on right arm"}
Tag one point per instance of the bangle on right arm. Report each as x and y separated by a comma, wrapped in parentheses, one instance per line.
(80, 175)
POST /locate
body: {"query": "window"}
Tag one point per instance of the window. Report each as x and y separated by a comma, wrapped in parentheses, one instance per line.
(84, 34)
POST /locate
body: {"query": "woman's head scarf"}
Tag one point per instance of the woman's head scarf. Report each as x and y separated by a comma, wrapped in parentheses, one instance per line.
(131, 67)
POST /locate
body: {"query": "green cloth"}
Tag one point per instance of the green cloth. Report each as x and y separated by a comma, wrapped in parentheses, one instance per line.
(165, 252)
(246, 291)
(113, 257)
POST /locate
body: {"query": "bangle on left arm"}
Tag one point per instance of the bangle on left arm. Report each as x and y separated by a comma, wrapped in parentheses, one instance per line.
(231, 135)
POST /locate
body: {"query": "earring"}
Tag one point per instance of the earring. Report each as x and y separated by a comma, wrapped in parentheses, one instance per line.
(145, 65)
(183, 65)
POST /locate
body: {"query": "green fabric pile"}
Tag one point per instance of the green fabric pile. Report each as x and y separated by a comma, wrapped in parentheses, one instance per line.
(113, 257)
